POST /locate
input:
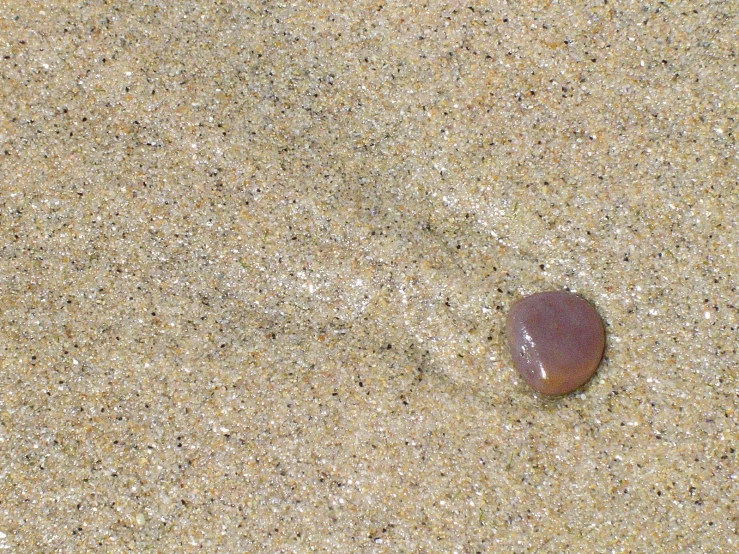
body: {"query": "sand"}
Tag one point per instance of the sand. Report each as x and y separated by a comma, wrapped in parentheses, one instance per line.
(255, 262)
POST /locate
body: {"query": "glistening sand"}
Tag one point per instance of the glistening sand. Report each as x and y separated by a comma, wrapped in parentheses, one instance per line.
(255, 262)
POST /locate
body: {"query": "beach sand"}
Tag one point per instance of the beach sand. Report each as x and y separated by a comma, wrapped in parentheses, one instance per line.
(256, 258)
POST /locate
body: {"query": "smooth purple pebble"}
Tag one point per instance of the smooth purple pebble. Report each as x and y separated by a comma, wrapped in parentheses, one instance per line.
(556, 341)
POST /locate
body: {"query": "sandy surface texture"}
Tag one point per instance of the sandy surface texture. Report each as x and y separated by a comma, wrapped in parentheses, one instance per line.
(256, 257)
